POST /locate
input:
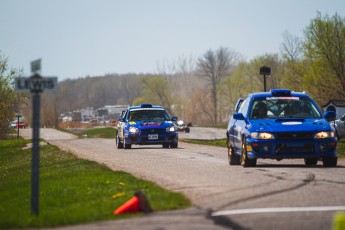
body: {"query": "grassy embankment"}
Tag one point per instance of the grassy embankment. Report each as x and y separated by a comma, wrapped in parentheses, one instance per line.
(72, 190)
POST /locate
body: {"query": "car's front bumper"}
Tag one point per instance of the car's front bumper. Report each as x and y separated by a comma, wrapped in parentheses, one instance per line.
(286, 149)
(143, 139)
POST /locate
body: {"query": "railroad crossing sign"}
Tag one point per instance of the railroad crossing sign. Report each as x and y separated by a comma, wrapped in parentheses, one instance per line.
(36, 85)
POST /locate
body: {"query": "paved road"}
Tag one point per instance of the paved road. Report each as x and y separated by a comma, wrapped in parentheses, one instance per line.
(302, 197)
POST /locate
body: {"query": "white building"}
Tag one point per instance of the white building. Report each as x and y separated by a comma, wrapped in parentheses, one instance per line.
(338, 106)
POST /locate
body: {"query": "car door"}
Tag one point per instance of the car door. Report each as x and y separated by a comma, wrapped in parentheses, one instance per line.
(230, 128)
(239, 125)
(121, 124)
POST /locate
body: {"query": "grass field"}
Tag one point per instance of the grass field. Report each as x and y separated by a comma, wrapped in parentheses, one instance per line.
(72, 190)
(107, 132)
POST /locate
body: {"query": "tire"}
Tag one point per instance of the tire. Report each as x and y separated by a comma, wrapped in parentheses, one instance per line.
(119, 144)
(126, 146)
(310, 161)
(232, 157)
(245, 161)
(165, 146)
(329, 161)
(174, 145)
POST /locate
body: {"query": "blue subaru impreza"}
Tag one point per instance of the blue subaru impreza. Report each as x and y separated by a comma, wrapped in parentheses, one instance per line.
(280, 124)
(146, 125)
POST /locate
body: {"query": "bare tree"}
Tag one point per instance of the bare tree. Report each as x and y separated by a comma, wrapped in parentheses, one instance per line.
(292, 47)
(130, 88)
(214, 66)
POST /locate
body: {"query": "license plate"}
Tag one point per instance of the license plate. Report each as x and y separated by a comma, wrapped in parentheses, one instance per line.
(153, 136)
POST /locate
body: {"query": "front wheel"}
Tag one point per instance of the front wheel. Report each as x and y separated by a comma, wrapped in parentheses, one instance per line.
(232, 157)
(119, 144)
(329, 161)
(245, 161)
(126, 146)
(174, 145)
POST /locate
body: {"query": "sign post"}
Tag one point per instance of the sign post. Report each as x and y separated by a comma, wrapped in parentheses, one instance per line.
(36, 85)
(265, 70)
(18, 119)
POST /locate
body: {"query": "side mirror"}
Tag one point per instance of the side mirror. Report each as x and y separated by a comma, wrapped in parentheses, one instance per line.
(174, 118)
(238, 116)
(329, 116)
(121, 119)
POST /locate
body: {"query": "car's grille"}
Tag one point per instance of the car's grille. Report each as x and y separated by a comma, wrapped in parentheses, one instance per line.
(145, 139)
(294, 136)
(152, 131)
(284, 148)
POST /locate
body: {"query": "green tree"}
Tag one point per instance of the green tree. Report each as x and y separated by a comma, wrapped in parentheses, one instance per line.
(324, 48)
(9, 103)
(156, 90)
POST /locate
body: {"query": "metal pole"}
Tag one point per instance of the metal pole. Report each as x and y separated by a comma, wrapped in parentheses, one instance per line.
(264, 83)
(35, 154)
(18, 126)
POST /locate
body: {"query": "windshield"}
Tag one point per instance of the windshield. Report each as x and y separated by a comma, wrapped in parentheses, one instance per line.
(148, 115)
(283, 107)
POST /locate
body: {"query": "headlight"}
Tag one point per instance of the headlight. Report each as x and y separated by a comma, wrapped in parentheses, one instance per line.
(321, 135)
(171, 129)
(262, 136)
(133, 129)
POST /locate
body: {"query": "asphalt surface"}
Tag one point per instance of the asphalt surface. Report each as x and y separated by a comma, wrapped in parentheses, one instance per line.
(274, 195)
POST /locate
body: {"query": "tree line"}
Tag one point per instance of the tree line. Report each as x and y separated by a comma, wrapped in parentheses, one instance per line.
(203, 90)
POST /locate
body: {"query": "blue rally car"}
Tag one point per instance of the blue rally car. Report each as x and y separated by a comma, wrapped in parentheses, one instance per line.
(280, 124)
(146, 125)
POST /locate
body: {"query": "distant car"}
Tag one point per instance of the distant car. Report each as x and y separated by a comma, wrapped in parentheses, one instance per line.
(146, 125)
(280, 124)
(113, 123)
(180, 125)
(22, 125)
(339, 126)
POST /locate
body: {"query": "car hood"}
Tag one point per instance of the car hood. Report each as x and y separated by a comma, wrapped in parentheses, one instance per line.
(289, 125)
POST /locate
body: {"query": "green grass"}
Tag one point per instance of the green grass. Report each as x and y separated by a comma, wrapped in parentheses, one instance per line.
(217, 142)
(341, 148)
(72, 190)
(107, 132)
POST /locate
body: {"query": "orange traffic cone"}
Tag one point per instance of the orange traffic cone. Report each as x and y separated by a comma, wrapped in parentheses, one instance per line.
(135, 204)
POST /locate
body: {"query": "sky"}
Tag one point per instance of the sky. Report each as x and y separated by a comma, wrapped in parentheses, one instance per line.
(79, 38)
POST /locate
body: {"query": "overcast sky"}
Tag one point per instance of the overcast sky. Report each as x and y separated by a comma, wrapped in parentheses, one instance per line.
(78, 38)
